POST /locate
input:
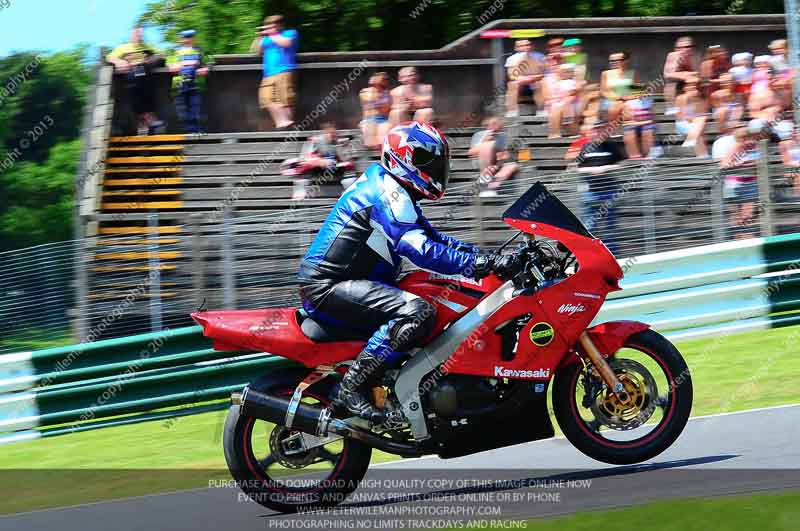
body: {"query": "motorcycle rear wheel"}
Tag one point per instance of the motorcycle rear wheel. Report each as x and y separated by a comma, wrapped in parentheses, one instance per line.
(620, 434)
(253, 465)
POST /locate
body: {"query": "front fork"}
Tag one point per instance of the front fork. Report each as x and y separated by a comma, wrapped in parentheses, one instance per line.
(606, 372)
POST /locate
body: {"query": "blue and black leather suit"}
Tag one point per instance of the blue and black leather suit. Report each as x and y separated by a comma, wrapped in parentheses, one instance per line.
(349, 273)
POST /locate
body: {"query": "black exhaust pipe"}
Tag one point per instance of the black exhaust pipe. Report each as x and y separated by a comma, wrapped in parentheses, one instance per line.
(273, 409)
(314, 420)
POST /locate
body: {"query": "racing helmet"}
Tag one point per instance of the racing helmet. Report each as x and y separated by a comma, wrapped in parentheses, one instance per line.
(417, 155)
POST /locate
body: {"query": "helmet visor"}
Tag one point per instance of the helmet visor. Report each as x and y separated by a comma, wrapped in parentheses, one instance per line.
(436, 166)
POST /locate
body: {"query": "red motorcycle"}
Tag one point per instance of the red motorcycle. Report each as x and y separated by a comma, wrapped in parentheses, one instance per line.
(621, 392)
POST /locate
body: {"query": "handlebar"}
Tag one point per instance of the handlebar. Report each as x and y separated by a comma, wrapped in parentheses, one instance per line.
(539, 261)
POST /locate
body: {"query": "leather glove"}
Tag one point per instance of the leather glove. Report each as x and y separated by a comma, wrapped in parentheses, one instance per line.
(483, 265)
(504, 265)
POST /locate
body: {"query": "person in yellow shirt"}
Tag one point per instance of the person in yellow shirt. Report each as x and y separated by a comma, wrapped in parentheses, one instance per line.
(136, 60)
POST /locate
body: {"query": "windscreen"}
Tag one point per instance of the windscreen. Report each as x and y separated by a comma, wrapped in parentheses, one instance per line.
(539, 205)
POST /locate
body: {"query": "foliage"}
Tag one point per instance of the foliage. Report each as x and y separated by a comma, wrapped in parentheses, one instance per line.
(36, 200)
(53, 85)
(328, 25)
(36, 182)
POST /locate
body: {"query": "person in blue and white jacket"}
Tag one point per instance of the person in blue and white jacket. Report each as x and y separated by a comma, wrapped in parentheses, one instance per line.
(348, 276)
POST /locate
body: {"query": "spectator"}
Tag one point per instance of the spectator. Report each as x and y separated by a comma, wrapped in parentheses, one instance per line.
(762, 103)
(278, 47)
(790, 155)
(778, 60)
(740, 186)
(592, 105)
(692, 117)
(189, 68)
(573, 54)
(524, 69)
(595, 157)
(136, 59)
(490, 147)
(411, 100)
(742, 74)
(639, 129)
(725, 143)
(714, 65)
(376, 103)
(616, 85)
(565, 102)
(678, 67)
(555, 49)
(783, 73)
(322, 154)
(549, 82)
(324, 150)
(727, 109)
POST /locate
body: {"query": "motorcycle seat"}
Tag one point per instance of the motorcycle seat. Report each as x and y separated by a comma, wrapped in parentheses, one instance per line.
(325, 333)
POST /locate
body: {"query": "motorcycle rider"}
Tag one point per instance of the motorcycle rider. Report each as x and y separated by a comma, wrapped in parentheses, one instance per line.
(348, 276)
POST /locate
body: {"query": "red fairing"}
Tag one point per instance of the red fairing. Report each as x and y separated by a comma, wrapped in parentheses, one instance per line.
(452, 295)
(272, 330)
(559, 313)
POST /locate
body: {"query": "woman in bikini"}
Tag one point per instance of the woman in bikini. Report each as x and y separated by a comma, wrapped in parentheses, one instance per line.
(376, 103)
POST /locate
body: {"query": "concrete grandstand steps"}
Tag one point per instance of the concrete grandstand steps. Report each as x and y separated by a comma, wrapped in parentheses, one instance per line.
(185, 179)
(127, 231)
(139, 181)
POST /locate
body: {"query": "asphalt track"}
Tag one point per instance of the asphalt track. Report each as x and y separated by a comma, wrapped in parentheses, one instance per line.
(737, 453)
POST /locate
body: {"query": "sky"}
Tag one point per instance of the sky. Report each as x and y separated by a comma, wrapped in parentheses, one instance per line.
(51, 25)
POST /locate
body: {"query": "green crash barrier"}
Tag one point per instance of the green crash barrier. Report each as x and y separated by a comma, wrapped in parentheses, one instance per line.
(696, 292)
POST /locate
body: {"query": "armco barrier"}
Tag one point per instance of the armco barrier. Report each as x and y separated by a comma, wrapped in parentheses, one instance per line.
(696, 292)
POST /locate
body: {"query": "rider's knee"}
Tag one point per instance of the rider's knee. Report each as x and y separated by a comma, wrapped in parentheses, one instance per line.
(414, 325)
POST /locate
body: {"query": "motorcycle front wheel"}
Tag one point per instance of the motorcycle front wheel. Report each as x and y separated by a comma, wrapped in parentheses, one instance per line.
(659, 386)
(318, 478)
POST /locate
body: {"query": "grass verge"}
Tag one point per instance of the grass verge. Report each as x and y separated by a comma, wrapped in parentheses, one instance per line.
(765, 512)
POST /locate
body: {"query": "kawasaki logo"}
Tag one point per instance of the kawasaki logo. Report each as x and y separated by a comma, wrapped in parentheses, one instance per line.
(519, 373)
(571, 309)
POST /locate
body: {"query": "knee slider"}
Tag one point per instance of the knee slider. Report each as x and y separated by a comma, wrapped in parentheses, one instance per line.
(413, 326)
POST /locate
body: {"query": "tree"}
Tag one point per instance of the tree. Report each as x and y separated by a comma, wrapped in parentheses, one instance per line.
(227, 27)
(37, 86)
(36, 204)
(41, 107)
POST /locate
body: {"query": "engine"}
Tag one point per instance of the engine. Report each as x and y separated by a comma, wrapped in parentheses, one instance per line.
(458, 396)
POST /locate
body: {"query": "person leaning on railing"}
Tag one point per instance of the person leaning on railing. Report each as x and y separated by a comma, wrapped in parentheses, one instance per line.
(136, 59)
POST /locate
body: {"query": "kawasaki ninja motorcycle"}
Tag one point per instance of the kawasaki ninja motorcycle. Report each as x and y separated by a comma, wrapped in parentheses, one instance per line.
(621, 392)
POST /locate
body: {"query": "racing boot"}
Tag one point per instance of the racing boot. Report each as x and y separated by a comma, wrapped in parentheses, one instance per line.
(355, 389)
